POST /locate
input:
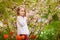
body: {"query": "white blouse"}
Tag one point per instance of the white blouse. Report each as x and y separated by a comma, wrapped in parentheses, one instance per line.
(22, 27)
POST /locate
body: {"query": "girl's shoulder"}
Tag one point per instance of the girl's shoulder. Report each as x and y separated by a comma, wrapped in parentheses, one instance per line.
(25, 17)
(19, 17)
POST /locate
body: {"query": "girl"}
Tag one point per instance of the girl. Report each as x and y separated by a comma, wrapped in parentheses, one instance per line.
(22, 28)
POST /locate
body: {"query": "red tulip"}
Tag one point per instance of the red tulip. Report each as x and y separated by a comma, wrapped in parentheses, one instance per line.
(33, 36)
(18, 37)
(5, 36)
(23, 37)
(11, 33)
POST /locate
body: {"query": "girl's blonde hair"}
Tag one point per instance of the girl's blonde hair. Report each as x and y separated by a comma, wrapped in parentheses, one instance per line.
(18, 9)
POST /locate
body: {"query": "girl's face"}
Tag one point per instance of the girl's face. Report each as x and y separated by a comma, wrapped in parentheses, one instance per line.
(22, 11)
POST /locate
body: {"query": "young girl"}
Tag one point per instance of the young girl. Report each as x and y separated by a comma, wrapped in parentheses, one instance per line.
(22, 28)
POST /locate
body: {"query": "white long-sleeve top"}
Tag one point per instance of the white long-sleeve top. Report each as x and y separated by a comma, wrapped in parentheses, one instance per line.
(22, 27)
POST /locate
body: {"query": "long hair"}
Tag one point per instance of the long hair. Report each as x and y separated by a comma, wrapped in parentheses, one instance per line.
(18, 9)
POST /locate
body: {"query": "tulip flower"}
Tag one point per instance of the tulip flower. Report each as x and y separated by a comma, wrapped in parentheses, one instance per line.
(11, 33)
(5, 36)
(18, 37)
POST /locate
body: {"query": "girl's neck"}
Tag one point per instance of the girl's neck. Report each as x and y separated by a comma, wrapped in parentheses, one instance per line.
(23, 16)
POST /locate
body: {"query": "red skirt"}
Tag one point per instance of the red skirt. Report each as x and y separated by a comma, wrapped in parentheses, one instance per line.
(26, 36)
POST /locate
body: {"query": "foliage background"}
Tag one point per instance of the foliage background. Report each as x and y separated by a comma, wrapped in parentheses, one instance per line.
(43, 16)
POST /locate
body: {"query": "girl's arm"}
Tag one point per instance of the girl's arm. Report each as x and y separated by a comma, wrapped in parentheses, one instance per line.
(20, 21)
